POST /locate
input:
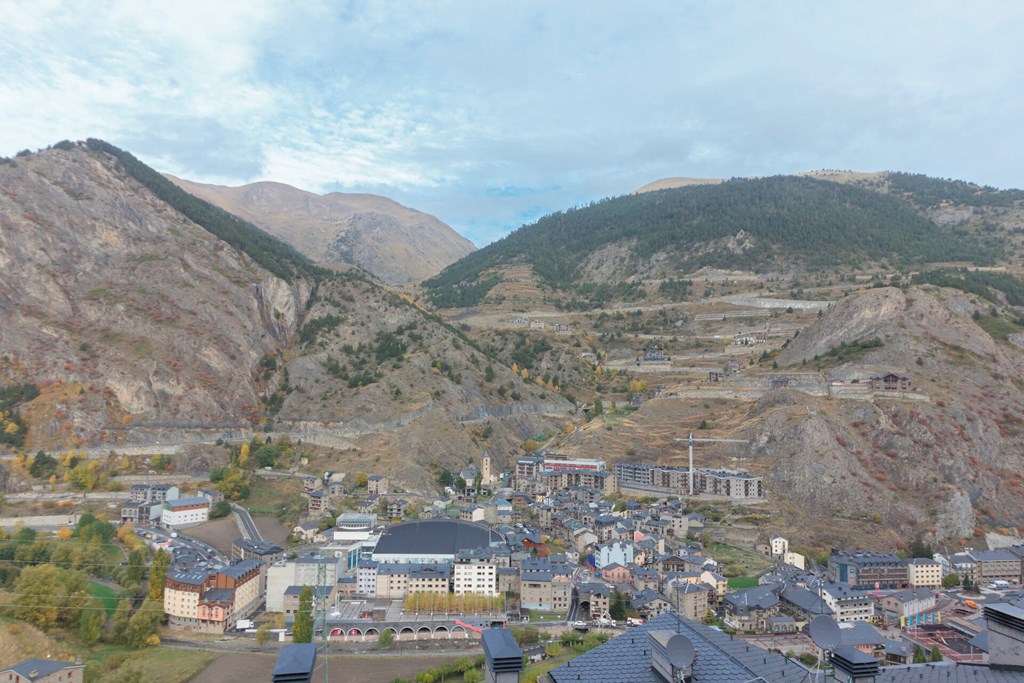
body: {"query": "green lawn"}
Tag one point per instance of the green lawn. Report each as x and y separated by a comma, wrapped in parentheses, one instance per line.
(738, 582)
(106, 595)
(738, 562)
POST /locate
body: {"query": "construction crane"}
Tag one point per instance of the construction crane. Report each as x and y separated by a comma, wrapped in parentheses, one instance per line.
(692, 440)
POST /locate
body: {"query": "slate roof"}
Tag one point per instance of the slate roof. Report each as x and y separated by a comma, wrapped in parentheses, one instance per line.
(41, 667)
(295, 662)
(240, 568)
(720, 658)
(185, 502)
(944, 672)
(434, 537)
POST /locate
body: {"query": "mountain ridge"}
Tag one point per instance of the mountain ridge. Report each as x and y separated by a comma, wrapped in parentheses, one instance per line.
(394, 242)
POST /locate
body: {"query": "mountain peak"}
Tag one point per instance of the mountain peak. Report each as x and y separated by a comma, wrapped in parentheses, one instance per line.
(393, 242)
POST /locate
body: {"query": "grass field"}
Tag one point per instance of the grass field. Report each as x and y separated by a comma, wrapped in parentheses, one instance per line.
(106, 595)
(155, 664)
(276, 497)
(740, 582)
(19, 640)
(739, 562)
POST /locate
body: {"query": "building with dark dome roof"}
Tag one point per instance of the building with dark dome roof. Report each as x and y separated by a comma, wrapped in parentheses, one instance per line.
(433, 540)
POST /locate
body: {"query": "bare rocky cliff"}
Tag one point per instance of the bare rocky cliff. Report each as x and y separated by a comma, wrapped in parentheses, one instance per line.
(122, 309)
(391, 241)
(937, 462)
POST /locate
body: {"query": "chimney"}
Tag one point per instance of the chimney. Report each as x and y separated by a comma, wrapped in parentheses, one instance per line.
(672, 656)
(502, 655)
(853, 666)
(1005, 636)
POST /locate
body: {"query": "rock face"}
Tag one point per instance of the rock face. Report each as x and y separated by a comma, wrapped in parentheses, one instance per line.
(937, 466)
(122, 309)
(391, 241)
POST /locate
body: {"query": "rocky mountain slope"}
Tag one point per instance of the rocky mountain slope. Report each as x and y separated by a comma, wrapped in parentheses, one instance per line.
(141, 327)
(391, 241)
(123, 309)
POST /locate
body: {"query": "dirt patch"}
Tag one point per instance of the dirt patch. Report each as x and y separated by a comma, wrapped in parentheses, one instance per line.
(217, 532)
(272, 530)
(239, 668)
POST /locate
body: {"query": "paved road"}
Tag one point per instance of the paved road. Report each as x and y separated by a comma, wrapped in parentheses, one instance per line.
(248, 526)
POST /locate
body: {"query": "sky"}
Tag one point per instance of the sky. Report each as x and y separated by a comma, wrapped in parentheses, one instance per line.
(491, 114)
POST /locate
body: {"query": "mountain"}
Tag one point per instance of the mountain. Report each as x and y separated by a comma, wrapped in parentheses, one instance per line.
(391, 241)
(607, 251)
(122, 309)
(137, 314)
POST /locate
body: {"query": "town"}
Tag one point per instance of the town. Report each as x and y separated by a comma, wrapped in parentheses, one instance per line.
(555, 545)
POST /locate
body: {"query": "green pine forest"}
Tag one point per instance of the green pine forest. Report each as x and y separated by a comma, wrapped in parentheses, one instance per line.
(788, 220)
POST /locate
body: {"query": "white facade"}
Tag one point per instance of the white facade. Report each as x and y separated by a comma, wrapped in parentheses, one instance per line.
(848, 605)
(475, 576)
(795, 559)
(366, 579)
(613, 553)
(185, 512)
(780, 546)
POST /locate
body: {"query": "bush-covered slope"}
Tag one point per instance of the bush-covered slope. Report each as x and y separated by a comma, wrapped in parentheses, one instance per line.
(752, 224)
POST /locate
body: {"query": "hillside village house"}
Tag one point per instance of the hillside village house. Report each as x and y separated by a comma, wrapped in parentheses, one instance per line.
(43, 671)
(378, 485)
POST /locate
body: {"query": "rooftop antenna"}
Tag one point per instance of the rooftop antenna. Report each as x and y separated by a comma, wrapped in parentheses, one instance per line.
(320, 603)
(826, 635)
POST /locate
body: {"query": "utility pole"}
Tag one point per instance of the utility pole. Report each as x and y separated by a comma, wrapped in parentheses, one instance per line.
(692, 440)
(320, 602)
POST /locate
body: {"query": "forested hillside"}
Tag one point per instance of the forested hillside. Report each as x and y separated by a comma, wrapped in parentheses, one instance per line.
(750, 224)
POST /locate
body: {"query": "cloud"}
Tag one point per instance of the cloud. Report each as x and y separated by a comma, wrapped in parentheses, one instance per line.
(491, 114)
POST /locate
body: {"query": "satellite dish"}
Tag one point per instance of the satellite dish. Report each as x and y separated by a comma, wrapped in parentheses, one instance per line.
(825, 632)
(680, 652)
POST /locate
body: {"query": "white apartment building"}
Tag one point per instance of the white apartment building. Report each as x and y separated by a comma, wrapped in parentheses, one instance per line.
(474, 574)
(848, 604)
(184, 512)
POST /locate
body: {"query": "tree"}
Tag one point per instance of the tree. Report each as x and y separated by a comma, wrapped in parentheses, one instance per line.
(39, 591)
(122, 616)
(262, 634)
(598, 406)
(136, 565)
(617, 607)
(951, 580)
(144, 625)
(220, 509)
(302, 631)
(157, 574)
(386, 638)
(919, 655)
(919, 548)
(90, 626)
(935, 656)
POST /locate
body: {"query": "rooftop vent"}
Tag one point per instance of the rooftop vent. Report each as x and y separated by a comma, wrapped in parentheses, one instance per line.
(853, 666)
(503, 656)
